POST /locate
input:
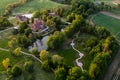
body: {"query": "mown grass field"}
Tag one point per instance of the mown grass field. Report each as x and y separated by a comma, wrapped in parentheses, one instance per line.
(4, 3)
(36, 5)
(110, 23)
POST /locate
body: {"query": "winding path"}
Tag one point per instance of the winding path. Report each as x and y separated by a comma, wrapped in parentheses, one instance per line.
(6, 29)
(80, 64)
(27, 54)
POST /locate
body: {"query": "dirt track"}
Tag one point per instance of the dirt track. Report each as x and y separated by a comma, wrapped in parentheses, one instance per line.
(111, 14)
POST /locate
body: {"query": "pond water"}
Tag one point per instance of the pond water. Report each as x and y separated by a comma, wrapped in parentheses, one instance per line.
(28, 15)
(40, 44)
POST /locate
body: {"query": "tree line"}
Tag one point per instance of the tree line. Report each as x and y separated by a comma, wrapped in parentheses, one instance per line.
(12, 6)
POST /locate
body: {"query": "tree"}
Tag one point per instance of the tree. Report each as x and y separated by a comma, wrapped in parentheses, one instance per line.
(4, 23)
(55, 41)
(74, 3)
(57, 60)
(60, 73)
(44, 55)
(36, 14)
(58, 22)
(74, 73)
(51, 23)
(119, 6)
(16, 71)
(46, 65)
(22, 27)
(28, 31)
(94, 70)
(29, 66)
(23, 41)
(34, 51)
(12, 43)
(6, 63)
(16, 52)
(71, 17)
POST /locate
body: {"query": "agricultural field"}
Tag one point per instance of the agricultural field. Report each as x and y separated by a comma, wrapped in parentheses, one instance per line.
(4, 3)
(110, 23)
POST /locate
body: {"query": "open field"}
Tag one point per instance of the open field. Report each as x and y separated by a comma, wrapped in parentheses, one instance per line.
(36, 5)
(110, 23)
(30, 6)
(4, 3)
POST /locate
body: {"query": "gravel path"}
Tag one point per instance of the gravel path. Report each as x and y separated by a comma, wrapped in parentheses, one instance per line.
(79, 63)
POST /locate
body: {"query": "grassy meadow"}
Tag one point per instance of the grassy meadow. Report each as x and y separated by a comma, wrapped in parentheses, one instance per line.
(29, 6)
(4, 3)
(36, 5)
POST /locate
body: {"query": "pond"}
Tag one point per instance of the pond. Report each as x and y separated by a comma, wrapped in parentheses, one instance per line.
(28, 15)
(40, 44)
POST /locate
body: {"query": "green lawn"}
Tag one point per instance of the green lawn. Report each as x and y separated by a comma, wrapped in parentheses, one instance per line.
(13, 60)
(69, 55)
(110, 23)
(5, 37)
(39, 74)
(4, 3)
(36, 5)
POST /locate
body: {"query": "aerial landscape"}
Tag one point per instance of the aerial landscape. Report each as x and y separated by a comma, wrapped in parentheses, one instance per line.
(60, 40)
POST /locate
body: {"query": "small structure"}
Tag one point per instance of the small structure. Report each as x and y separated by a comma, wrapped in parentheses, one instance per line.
(22, 18)
(38, 25)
